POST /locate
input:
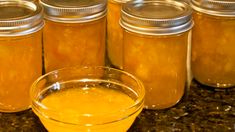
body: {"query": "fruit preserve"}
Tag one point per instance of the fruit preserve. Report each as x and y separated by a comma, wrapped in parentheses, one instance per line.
(20, 52)
(156, 48)
(115, 33)
(94, 99)
(87, 101)
(74, 33)
(213, 56)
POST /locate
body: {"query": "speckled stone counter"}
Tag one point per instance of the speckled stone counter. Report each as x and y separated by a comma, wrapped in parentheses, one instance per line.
(202, 109)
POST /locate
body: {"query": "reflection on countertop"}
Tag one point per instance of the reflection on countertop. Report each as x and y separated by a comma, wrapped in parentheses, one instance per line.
(202, 109)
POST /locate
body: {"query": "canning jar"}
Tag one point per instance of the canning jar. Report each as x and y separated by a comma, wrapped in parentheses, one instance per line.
(74, 33)
(115, 33)
(20, 52)
(213, 43)
(156, 40)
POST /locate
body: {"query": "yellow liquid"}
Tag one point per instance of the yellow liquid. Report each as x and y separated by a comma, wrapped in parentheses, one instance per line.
(96, 102)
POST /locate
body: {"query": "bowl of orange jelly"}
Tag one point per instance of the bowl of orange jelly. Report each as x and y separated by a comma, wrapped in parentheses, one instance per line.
(99, 99)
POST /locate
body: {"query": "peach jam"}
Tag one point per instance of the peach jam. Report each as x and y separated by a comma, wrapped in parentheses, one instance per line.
(20, 52)
(213, 43)
(155, 42)
(74, 33)
(114, 33)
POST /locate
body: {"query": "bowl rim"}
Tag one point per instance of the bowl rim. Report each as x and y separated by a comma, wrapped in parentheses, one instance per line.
(135, 107)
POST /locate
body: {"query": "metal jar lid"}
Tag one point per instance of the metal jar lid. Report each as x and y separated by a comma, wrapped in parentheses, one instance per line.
(20, 17)
(74, 11)
(215, 7)
(156, 17)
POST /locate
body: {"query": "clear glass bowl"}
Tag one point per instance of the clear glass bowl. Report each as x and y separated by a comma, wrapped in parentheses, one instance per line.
(99, 99)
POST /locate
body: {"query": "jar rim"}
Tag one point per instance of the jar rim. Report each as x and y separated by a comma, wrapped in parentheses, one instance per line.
(145, 17)
(79, 12)
(20, 18)
(119, 1)
(225, 8)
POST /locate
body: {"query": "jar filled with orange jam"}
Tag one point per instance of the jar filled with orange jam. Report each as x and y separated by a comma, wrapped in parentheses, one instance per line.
(213, 43)
(20, 52)
(115, 33)
(74, 33)
(156, 39)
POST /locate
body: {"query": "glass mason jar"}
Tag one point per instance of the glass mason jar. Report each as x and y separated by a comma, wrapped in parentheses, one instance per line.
(115, 33)
(156, 40)
(20, 52)
(74, 33)
(213, 43)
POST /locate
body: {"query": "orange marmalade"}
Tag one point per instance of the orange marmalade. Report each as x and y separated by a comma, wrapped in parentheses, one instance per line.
(156, 48)
(91, 98)
(85, 108)
(114, 34)
(74, 44)
(74, 33)
(160, 62)
(20, 52)
(213, 43)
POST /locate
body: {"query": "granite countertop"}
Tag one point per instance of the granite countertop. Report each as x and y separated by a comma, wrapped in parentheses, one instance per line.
(202, 109)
